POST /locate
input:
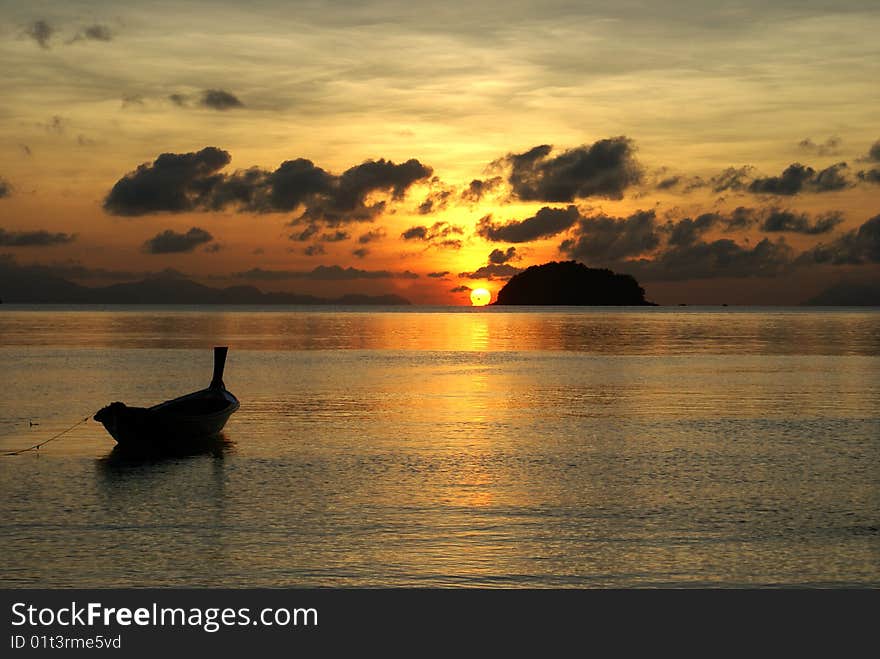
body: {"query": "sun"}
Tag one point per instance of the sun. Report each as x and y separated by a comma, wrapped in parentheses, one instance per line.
(480, 297)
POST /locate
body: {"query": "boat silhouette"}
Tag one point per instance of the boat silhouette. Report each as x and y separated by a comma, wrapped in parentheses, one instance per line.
(194, 417)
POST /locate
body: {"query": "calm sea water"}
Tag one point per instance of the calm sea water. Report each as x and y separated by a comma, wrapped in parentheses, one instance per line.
(561, 448)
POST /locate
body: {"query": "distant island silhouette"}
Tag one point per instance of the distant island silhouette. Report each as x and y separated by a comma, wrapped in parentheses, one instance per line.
(32, 285)
(850, 294)
(571, 283)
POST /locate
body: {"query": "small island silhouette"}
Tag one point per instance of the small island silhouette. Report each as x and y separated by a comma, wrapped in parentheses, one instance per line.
(570, 283)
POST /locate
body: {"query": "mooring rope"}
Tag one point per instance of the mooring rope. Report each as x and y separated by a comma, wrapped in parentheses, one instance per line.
(36, 447)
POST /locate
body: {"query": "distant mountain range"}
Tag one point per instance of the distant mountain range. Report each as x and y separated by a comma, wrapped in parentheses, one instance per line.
(34, 285)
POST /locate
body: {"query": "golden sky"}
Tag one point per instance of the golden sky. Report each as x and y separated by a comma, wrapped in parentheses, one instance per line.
(718, 151)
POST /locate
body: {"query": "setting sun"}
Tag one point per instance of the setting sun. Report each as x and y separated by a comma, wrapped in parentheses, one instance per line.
(480, 297)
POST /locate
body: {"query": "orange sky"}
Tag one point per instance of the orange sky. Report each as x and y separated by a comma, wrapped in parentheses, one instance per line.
(96, 89)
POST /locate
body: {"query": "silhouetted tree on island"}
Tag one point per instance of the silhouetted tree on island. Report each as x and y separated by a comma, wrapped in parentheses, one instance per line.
(571, 283)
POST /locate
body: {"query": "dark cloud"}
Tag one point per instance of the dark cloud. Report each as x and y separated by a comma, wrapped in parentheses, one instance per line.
(602, 238)
(415, 233)
(337, 236)
(782, 220)
(213, 248)
(314, 250)
(545, 223)
(436, 200)
(305, 234)
(478, 188)
(605, 168)
(460, 289)
(372, 236)
(5, 188)
(438, 275)
(96, 32)
(180, 100)
(323, 273)
(345, 200)
(219, 99)
(871, 175)
(492, 271)
(173, 182)
(498, 256)
(732, 178)
(686, 231)
(855, 247)
(192, 181)
(40, 238)
(707, 260)
(41, 32)
(360, 252)
(829, 147)
(439, 234)
(171, 242)
(679, 182)
(799, 178)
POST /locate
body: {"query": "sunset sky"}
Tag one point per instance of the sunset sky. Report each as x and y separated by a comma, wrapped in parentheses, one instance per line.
(718, 151)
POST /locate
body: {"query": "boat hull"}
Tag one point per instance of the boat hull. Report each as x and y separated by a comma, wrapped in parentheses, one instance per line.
(170, 424)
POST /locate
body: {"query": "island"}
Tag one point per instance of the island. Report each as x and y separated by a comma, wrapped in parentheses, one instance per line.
(569, 283)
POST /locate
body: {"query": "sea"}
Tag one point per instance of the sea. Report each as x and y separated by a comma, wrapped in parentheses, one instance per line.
(448, 447)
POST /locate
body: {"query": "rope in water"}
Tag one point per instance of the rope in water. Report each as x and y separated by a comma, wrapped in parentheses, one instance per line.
(36, 447)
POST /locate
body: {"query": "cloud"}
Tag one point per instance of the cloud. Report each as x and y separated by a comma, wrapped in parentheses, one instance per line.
(5, 188)
(604, 238)
(41, 32)
(438, 275)
(437, 199)
(305, 234)
(40, 238)
(873, 155)
(337, 236)
(323, 273)
(870, 175)
(686, 231)
(491, 271)
(219, 99)
(180, 100)
(782, 220)
(855, 247)
(174, 183)
(314, 250)
(192, 181)
(360, 252)
(460, 289)
(732, 178)
(96, 32)
(799, 178)
(715, 259)
(545, 223)
(498, 256)
(605, 168)
(479, 188)
(829, 147)
(171, 242)
(372, 235)
(439, 234)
